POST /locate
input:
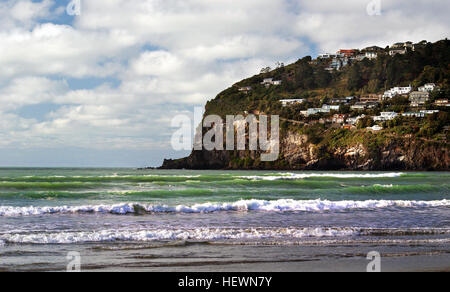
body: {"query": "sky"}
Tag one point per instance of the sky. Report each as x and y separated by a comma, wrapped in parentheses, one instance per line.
(100, 87)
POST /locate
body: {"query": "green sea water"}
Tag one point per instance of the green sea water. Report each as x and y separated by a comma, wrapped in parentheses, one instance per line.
(100, 210)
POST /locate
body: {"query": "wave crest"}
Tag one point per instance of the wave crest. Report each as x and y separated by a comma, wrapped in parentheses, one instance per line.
(295, 176)
(208, 234)
(283, 205)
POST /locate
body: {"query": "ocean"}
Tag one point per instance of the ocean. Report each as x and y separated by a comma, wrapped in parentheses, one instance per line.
(154, 220)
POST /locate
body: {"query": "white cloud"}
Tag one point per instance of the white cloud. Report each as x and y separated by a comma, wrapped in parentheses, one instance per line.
(332, 25)
(60, 49)
(30, 90)
(23, 13)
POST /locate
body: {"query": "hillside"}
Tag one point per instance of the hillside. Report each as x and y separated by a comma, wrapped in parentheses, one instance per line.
(340, 97)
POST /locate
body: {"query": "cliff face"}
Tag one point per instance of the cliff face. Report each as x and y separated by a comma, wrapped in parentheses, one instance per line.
(297, 153)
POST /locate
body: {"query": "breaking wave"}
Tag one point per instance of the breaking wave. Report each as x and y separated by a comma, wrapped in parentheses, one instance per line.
(206, 234)
(283, 205)
(294, 176)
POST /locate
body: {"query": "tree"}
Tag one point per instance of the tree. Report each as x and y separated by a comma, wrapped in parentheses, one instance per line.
(354, 79)
(323, 78)
(365, 123)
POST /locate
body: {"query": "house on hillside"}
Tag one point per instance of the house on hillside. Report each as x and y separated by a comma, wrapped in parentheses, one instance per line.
(442, 102)
(397, 91)
(418, 98)
(414, 115)
(375, 128)
(354, 121)
(393, 52)
(373, 49)
(348, 127)
(371, 98)
(312, 111)
(327, 56)
(429, 87)
(359, 106)
(430, 112)
(339, 101)
(324, 109)
(277, 82)
(245, 89)
(338, 63)
(269, 81)
(385, 116)
(405, 45)
(359, 57)
(290, 102)
(371, 55)
(347, 53)
(400, 48)
(339, 118)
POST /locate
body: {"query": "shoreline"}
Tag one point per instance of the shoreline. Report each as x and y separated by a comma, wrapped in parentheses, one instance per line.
(234, 260)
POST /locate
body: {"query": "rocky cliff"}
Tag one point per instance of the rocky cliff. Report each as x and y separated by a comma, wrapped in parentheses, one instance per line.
(298, 153)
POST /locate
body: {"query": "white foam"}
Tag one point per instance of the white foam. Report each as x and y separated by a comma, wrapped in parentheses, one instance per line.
(242, 235)
(335, 242)
(384, 186)
(199, 234)
(146, 175)
(283, 205)
(295, 176)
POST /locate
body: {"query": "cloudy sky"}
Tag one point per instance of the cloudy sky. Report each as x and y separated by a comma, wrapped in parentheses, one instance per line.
(100, 88)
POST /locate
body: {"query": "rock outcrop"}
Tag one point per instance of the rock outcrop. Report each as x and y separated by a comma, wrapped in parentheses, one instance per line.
(297, 153)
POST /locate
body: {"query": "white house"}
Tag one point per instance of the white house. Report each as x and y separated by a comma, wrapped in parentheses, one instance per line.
(354, 121)
(429, 87)
(277, 82)
(324, 109)
(414, 115)
(288, 102)
(442, 102)
(339, 118)
(329, 108)
(429, 112)
(375, 128)
(404, 45)
(385, 116)
(339, 100)
(397, 91)
(269, 81)
(419, 98)
(364, 105)
(327, 56)
(371, 55)
(245, 89)
(394, 52)
(313, 111)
